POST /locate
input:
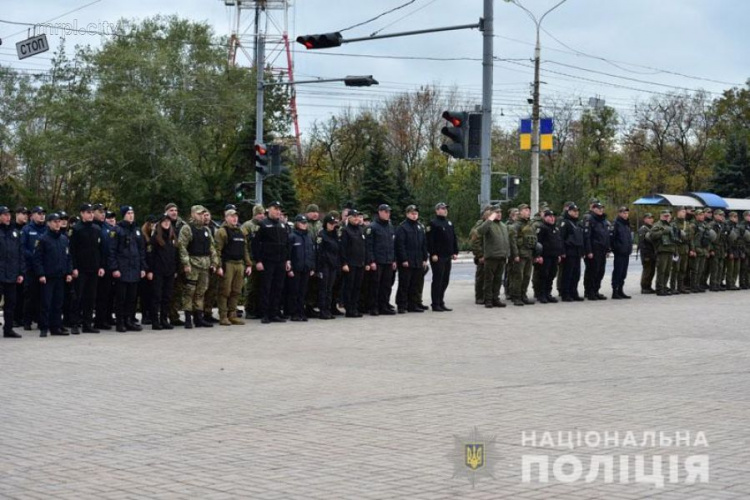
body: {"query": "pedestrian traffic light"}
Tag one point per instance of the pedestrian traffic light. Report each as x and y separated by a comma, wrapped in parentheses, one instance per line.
(457, 132)
(324, 41)
(261, 159)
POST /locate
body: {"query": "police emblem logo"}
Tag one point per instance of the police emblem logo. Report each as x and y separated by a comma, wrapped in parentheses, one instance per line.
(369, 230)
(137, 232)
(112, 234)
(474, 455)
(15, 234)
(320, 239)
(428, 229)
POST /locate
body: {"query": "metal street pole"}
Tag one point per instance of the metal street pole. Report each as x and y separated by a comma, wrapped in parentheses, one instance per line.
(487, 67)
(535, 108)
(260, 63)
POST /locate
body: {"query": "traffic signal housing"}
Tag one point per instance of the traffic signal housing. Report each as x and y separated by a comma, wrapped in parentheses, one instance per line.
(275, 152)
(512, 185)
(241, 189)
(261, 159)
(457, 133)
(324, 41)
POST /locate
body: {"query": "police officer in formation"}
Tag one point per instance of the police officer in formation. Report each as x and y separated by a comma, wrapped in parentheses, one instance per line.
(88, 255)
(381, 256)
(127, 259)
(52, 269)
(442, 245)
(411, 258)
(12, 270)
(353, 262)
(270, 252)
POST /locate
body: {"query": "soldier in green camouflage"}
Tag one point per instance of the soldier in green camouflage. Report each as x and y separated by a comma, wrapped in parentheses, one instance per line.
(477, 249)
(198, 258)
(744, 227)
(734, 252)
(522, 245)
(682, 247)
(699, 247)
(663, 236)
(718, 251)
(647, 253)
(536, 276)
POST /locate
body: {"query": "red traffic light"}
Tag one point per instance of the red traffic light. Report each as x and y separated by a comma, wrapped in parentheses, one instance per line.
(455, 118)
(260, 149)
(324, 41)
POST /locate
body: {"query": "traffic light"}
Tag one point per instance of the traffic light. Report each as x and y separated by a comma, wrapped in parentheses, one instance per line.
(512, 183)
(240, 190)
(360, 81)
(457, 132)
(324, 41)
(475, 135)
(275, 152)
(261, 159)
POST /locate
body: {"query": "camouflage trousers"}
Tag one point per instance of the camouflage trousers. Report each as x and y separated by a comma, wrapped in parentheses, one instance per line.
(679, 273)
(663, 271)
(717, 271)
(519, 277)
(196, 284)
(212, 293)
(230, 288)
(649, 271)
(697, 266)
(732, 273)
(745, 273)
(479, 282)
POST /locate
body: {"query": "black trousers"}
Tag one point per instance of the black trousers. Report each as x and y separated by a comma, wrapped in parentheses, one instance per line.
(571, 275)
(162, 289)
(86, 285)
(296, 293)
(104, 299)
(408, 281)
(8, 291)
(32, 296)
(353, 286)
(71, 317)
(325, 290)
(126, 300)
(381, 286)
(441, 275)
(547, 274)
(53, 295)
(145, 294)
(594, 274)
(18, 316)
(271, 288)
(620, 271)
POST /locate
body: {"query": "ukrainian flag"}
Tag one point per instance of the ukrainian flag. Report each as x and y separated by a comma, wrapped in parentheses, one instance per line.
(525, 134)
(546, 128)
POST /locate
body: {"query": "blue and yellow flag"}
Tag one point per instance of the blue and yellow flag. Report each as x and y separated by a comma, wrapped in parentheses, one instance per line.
(525, 134)
(546, 129)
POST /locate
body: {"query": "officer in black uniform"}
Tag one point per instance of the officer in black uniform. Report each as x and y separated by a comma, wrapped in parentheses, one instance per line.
(622, 247)
(32, 288)
(105, 286)
(21, 219)
(353, 256)
(127, 259)
(442, 246)
(88, 258)
(53, 268)
(596, 244)
(553, 251)
(328, 264)
(411, 257)
(270, 247)
(12, 269)
(571, 234)
(381, 256)
(70, 316)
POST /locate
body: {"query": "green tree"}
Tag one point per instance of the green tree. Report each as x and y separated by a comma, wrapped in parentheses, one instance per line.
(732, 175)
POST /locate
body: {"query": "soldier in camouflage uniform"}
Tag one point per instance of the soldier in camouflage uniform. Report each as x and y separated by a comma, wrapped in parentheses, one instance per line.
(212, 292)
(718, 251)
(477, 244)
(252, 286)
(744, 227)
(522, 245)
(198, 258)
(699, 247)
(734, 252)
(647, 253)
(663, 236)
(683, 249)
(536, 276)
(234, 253)
(708, 222)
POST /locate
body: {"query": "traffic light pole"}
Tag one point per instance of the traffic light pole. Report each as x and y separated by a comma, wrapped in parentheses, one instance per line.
(487, 68)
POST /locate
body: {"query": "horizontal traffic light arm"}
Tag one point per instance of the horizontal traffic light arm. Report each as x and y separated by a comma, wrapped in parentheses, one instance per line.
(335, 39)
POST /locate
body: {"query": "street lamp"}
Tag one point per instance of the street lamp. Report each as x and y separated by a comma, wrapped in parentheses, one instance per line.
(535, 103)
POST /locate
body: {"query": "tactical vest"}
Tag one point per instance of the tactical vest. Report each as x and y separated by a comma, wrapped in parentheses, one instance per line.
(235, 246)
(200, 245)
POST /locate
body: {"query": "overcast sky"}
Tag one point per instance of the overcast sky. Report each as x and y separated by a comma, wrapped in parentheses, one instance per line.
(618, 50)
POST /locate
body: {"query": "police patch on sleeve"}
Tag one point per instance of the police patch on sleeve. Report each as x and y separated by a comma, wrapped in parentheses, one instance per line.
(319, 240)
(112, 234)
(369, 230)
(428, 229)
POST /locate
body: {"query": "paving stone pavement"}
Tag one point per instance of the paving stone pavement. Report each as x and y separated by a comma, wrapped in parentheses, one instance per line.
(369, 408)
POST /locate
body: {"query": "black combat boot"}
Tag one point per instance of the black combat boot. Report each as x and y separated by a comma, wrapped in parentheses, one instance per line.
(188, 320)
(623, 296)
(199, 321)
